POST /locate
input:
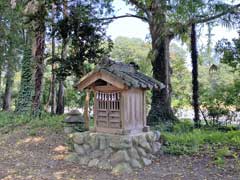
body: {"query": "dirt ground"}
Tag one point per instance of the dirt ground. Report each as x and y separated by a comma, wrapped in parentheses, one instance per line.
(41, 157)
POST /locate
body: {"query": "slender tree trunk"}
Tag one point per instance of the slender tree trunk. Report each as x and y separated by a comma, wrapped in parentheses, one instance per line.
(194, 56)
(60, 101)
(161, 110)
(53, 91)
(53, 100)
(10, 51)
(49, 98)
(53, 82)
(38, 54)
(0, 74)
(8, 88)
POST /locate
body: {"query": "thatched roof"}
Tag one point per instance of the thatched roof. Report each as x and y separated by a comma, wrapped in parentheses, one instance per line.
(126, 74)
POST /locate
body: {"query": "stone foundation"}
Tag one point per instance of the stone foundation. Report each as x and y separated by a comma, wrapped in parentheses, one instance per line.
(119, 153)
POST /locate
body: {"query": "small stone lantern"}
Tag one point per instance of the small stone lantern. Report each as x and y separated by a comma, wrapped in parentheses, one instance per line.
(74, 122)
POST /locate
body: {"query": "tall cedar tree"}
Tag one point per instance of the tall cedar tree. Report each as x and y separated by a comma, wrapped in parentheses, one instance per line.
(36, 11)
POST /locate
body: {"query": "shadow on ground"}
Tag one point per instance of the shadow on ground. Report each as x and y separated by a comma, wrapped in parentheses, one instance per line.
(41, 157)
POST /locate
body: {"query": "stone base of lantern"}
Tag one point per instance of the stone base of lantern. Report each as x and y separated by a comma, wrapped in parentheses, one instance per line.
(119, 153)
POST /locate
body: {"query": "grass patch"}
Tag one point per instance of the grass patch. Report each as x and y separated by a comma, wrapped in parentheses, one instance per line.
(54, 123)
(184, 139)
(9, 121)
(221, 154)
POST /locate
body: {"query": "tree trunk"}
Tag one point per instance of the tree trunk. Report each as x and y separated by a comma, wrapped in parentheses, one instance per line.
(60, 102)
(0, 75)
(161, 110)
(53, 91)
(24, 99)
(38, 54)
(49, 98)
(8, 88)
(53, 100)
(1, 79)
(194, 56)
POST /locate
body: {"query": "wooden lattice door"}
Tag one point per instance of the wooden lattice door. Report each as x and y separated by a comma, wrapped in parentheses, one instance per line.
(108, 110)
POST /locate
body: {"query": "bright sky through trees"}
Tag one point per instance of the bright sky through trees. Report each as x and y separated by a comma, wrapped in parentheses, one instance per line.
(133, 27)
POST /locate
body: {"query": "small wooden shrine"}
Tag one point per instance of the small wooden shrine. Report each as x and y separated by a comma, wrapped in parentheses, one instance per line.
(119, 97)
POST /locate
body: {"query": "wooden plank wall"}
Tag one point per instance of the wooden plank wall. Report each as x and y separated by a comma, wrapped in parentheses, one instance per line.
(133, 109)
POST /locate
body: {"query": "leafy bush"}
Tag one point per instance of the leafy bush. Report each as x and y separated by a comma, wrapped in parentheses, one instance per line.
(219, 96)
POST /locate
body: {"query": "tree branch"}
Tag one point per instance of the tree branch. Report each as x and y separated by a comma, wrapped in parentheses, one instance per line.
(141, 6)
(123, 16)
(207, 19)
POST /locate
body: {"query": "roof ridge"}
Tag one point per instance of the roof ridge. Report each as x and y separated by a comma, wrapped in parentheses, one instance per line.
(127, 74)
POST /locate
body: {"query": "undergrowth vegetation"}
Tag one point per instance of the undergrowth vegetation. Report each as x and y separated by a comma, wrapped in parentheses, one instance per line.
(179, 139)
(184, 139)
(10, 121)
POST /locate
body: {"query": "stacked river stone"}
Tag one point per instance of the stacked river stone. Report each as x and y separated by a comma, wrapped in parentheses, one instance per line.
(119, 153)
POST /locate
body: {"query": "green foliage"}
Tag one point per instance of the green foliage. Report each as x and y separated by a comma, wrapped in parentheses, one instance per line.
(86, 38)
(230, 52)
(219, 93)
(10, 121)
(181, 77)
(184, 126)
(73, 97)
(185, 143)
(23, 104)
(136, 50)
(11, 40)
(52, 123)
(133, 50)
(183, 139)
(223, 152)
(220, 154)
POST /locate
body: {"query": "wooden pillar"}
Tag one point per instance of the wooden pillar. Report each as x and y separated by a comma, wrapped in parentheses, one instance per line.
(86, 107)
(145, 127)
